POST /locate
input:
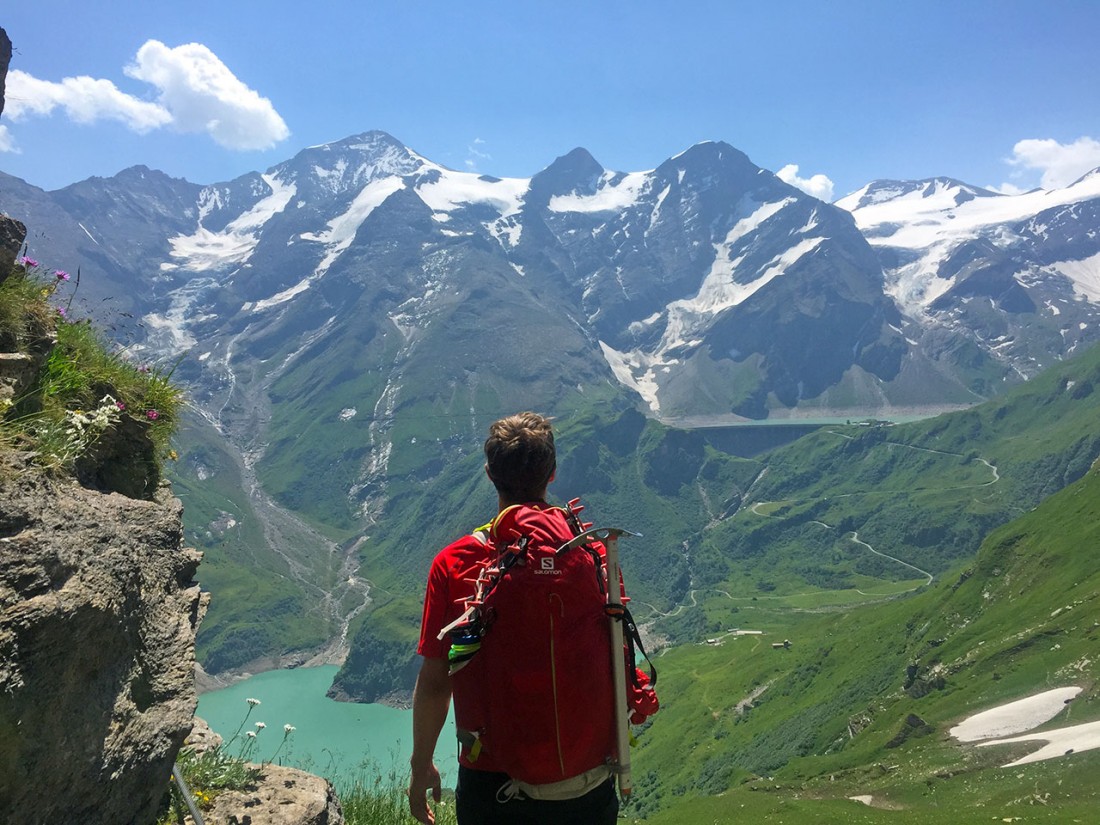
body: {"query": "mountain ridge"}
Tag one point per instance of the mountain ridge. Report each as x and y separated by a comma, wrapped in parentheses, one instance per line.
(350, 319)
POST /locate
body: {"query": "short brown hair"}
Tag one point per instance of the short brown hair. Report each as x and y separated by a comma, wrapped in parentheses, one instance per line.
(520, 456)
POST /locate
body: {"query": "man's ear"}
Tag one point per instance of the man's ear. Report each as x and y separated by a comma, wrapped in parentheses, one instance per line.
(490, 475)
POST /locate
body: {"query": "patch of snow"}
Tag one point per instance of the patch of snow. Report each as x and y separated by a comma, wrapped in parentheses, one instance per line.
(720, 291)
(916, 285)
(1059, 742)
(1014, 717)
(453, 190)
(657, 207)
(625, 364)
(639, 326)
(609, 197)
(89, 234)
(168, 332)
(205, 250)
(506, 230)
(1084, 274)
(348, 413)
(331, 178)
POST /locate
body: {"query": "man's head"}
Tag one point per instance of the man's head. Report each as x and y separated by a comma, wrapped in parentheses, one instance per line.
(519, 456)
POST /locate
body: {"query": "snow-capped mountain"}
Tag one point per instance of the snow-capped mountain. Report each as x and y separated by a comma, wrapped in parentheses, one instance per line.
(1020, 274)
(348, 321)
(705, 288)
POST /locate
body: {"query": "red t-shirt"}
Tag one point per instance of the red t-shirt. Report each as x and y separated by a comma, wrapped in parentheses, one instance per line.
(450, 581)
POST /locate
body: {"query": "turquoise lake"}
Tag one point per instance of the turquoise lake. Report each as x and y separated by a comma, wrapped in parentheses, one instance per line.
(338, 740)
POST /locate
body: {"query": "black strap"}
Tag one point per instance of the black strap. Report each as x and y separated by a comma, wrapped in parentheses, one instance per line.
(633, 639)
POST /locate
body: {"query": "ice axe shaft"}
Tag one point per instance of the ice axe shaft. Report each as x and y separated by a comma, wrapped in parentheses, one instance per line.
(618, 665)
(610, 538)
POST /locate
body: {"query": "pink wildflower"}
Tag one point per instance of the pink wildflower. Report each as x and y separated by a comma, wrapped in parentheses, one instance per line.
(61, 311)
(28, 263)
(152, 415)
(121, 406)
(61, 274)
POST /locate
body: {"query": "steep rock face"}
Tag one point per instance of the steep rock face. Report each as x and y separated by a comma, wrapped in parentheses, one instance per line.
(98, 613)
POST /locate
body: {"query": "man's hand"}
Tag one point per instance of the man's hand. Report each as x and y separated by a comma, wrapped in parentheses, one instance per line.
(419, 784)
(431, 699)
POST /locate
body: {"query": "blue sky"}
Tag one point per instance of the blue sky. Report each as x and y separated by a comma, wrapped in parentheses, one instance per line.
(993, 93)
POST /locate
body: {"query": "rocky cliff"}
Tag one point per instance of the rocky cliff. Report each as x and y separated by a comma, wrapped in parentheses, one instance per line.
(98, 613)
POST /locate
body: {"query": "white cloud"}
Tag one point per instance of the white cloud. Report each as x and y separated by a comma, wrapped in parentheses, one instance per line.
(476, 155)
(203, 95)
(83, 99)
(818, 185)
(196, 92)
(1006, 189)
(1060, 163)
(7, 142)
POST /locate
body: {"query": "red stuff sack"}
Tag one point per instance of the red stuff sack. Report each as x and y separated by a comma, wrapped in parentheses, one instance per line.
(531, 666)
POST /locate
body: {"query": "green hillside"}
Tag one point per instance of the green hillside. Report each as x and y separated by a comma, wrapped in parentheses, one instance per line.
(862, 701)
(849, 506)
(847, 515)
(632, 473)
(259, 607)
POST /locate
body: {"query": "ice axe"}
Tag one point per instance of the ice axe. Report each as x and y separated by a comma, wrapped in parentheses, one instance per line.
(609, 536)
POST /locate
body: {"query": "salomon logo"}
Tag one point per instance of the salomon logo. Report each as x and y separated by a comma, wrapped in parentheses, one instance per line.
(547, 564)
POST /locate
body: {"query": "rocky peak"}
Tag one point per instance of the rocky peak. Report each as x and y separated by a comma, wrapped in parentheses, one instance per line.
(574, 173)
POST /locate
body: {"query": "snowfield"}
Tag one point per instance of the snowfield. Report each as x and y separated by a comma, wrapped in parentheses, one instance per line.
(1025, 714)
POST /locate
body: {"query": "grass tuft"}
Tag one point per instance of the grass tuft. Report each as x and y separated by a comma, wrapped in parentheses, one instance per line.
(85, 387)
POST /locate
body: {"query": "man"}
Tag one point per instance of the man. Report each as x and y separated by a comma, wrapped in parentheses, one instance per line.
(520, 460)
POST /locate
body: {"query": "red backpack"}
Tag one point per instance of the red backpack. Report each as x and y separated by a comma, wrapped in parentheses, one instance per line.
(531, 656)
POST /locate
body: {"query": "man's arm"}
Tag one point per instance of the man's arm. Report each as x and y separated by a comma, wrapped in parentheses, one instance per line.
(431, 700)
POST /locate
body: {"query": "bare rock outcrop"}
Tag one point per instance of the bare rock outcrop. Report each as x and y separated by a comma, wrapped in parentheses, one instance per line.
(98, 614)
(12, 235)
(280, 796)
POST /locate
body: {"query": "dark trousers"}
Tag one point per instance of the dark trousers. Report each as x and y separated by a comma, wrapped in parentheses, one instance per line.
(476, 804)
